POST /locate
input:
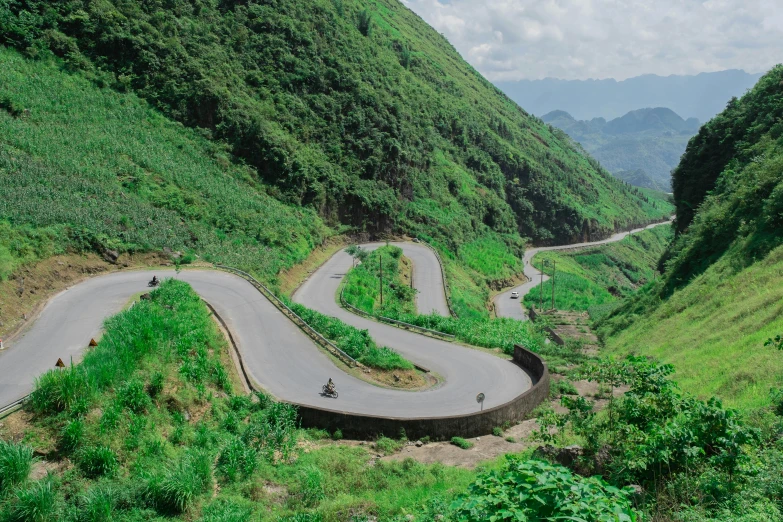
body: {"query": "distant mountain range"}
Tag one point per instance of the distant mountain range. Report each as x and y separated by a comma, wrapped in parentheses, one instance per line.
(640, 147)
(701, 96)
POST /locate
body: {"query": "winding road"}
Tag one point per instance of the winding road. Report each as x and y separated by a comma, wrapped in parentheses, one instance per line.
(276, 353)
(512, 308)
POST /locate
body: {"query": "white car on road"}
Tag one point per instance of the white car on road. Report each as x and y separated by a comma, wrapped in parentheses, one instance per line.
(514, 295)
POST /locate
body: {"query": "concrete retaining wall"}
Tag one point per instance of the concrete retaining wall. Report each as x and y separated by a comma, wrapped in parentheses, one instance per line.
(552, 334)
(472, 425)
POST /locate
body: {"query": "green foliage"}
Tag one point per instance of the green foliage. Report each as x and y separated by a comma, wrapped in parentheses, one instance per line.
(16, 461)
(38, 502)
(357, 110)
(461, 443)
(654, 432)
(731, 172)
(387, 445)
(535, 490)
(97, 461)
(338, 434)
(363, 284)
(173, 312)
(132, 181)
(497, 431)
(776, 342)
(132, 395)
(595, 279)
(356, 343)
(236, 460)
(72, 435)
(176, 488)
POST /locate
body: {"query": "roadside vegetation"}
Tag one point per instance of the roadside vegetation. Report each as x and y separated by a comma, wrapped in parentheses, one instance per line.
(689, 459)
(151, 427)
(362, 290)
(596, 279)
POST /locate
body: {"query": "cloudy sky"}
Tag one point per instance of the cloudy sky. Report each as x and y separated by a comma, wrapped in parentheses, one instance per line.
(577, 39)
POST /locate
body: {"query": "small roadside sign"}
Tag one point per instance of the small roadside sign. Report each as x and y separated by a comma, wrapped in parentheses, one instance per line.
(480, 400)
(59, 363)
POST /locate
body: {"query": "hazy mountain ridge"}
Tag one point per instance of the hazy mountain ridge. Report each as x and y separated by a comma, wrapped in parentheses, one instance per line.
(701, 96)
(640, 147)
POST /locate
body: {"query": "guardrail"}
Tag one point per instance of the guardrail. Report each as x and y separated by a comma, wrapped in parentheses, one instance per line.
(446, 288)
(293, 316)
(7, 410)
(394, 322)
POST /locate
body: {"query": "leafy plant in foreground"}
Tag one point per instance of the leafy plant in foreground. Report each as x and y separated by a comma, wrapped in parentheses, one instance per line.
(535, 490)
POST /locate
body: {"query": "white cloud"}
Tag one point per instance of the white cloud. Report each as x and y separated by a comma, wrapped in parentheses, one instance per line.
(516, 39)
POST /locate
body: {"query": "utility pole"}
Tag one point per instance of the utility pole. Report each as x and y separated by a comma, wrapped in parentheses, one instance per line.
(554, 267)
(541, 288)
(380, 260)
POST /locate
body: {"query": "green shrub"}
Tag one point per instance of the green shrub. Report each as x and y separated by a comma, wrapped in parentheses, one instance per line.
(97, 461)
(59, 389)
(177, 488)
(338, 434)
(72, 435)
(563, 387)
(155, 386)
(310, 486)
(99, 503)
(461, 443)
(226, 511)
(16, 461)
(535, 490)
(237, 460)
(497, 431)
(387, 445)
(511, 439)
(36, 503)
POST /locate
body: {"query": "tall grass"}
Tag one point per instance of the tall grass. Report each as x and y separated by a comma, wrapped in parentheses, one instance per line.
(356, 343)
(363, 284)
(38, 502)
(16, 461)
(174, 319)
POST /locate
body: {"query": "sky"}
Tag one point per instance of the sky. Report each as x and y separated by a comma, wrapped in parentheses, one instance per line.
(579, 39)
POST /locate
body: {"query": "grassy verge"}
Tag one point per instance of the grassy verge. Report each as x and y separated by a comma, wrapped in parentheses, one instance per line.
(363, 284)
(362, 291)
(356, 343)
(153, 430)
(596, 279)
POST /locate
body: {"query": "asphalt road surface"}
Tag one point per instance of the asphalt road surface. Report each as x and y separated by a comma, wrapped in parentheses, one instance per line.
(505, 306)
(277, 355)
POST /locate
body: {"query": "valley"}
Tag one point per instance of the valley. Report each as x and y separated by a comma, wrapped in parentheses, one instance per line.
(572, 317)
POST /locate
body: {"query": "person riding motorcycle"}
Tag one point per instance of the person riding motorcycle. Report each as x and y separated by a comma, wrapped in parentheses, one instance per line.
(155, 280)
(330, 385)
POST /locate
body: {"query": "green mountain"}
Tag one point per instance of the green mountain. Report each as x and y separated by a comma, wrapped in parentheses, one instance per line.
(722, 285)
(355, 109)
(645, 142)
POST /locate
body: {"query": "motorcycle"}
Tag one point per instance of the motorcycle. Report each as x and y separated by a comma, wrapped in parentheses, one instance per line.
(153, 283)
(329, 392)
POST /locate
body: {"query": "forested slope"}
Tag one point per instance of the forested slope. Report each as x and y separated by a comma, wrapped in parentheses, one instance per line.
(722, 289)
(353, 108)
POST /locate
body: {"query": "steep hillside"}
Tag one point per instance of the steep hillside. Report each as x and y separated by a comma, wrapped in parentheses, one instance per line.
(646, 140)
(83, 168)
(721, 291)
(353, 108)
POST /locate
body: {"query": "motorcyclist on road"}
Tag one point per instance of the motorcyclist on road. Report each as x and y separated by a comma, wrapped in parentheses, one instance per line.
(155, 280)
(330, 385)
